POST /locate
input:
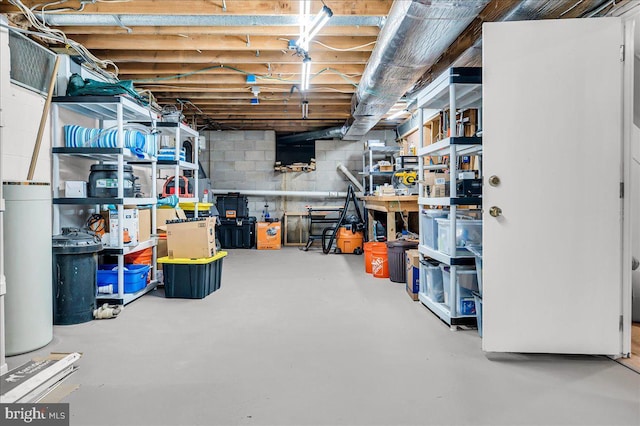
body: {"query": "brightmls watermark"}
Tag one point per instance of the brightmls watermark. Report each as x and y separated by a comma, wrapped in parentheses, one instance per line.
(35, 414)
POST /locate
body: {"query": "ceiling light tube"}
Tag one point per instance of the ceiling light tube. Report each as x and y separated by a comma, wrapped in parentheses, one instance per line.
(312, 29)
(319, 21)
(306, 73)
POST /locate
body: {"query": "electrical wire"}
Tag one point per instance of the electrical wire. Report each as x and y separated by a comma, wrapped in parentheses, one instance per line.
(337, 49)
(42, 30)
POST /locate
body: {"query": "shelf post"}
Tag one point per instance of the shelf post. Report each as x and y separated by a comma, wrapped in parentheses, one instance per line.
(55, 166)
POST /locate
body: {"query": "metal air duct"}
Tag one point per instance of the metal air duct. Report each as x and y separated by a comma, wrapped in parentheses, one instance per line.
(328, 133)
(415, 34)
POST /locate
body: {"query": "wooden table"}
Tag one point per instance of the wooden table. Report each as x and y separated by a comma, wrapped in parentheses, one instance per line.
(389, 204)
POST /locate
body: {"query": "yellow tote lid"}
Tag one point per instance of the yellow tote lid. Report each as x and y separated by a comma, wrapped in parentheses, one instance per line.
(200, 261)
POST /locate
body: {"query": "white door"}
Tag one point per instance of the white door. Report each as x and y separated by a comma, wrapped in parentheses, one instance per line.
(553, 136)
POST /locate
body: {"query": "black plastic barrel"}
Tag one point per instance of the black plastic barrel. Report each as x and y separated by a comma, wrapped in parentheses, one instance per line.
(397, 268)
(75, 265)
(103, 181)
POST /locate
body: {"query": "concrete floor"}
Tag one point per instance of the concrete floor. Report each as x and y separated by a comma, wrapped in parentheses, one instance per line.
(301, 338)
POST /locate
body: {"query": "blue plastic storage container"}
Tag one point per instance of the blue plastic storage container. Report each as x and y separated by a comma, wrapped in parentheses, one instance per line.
(135, 278)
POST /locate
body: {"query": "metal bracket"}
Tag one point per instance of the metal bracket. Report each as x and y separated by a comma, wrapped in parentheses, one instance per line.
(622, 53)
(621, 189)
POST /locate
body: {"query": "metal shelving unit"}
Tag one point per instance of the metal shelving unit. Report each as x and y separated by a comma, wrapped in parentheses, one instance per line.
(121, 110)
(456, 88)
(179, 131)
(386, 152)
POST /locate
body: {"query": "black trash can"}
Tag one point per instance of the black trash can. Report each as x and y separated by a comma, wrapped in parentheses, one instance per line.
(397, 267)
(75, 265)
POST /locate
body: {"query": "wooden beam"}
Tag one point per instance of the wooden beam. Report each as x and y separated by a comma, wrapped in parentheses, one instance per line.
(256, 69)
(224, 103)
(216, 57)
(277, 31)
(262, 109)
(218, 42)
(238, 79)
(212, 88)
(228, 96)
(215, 7)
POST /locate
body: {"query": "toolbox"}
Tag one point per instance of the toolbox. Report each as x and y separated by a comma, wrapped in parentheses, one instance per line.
(237, 233)
(232, 205)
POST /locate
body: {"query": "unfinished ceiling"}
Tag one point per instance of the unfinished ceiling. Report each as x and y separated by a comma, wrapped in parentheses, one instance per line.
(212, 57)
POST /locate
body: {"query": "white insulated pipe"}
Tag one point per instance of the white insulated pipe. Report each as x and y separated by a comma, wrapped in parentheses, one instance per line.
(350, 176)
(281, 193)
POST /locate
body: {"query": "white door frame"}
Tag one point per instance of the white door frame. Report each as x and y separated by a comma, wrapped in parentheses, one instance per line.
(629, 19)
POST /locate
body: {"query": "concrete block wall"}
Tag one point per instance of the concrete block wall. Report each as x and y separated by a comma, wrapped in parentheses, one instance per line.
(238, 160)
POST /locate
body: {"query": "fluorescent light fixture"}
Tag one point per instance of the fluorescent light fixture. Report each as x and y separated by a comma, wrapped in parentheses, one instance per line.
(312, 29)
(306, 73)
(305, 110)
(397, 114)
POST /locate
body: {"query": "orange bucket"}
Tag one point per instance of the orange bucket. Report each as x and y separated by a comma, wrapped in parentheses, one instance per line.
(368, 254)
(380, 261)
(142, 257)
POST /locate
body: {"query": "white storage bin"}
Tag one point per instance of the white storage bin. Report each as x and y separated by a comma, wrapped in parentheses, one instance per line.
(468, 232)
(429, 233)
(431, 282)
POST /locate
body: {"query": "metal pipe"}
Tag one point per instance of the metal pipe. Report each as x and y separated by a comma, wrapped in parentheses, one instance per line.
(415, 34)
(66, 19)
(351, 177)
(282, 193)
(328, 133)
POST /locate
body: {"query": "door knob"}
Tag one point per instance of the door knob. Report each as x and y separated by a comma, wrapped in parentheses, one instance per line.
(495, 211)
(494, 180)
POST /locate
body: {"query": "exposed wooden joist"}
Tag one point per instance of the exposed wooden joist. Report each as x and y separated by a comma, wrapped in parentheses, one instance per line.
(240, 78)
(278, 31)
(215, 7)
(222, 96)
(219, 42)
(212, 88)
(258, 69)
(238, 57)
(224, 103)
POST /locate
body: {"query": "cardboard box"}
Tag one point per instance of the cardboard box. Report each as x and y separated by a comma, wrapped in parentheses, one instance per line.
(130, 225)
(75, 189)
(144, 224)
(269, 236)
(191, 239)
(412, 264)
(163, 215)
(431, 179)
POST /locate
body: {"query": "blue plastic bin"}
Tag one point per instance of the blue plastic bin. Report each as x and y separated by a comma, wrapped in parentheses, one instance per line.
(135, 278)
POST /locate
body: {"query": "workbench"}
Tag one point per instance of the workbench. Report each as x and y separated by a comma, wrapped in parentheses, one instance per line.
(391, 205)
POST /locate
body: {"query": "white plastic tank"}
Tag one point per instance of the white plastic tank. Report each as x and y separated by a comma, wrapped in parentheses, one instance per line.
(27, 250)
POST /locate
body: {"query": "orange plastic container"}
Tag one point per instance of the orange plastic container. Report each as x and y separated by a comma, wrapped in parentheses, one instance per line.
(368, 255)
(380, 261)
(142, 257)
(349, 242)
